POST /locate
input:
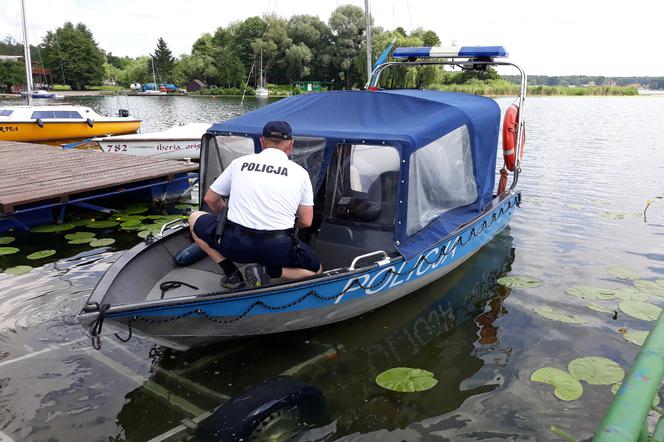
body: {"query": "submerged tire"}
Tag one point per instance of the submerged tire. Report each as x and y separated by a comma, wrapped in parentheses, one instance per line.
(272, 410)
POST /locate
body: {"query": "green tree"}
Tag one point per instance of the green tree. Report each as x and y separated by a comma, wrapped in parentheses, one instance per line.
(347, 24)
(298, 57)
(317, 36)
(11, 72)
(73, 57)
(244, 35)
(163, 61)
(136, 71)
(229, 70)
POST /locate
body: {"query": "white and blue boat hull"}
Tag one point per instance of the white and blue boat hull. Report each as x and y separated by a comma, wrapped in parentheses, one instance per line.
(206, 318)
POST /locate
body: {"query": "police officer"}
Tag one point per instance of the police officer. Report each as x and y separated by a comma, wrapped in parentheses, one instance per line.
(266, 191)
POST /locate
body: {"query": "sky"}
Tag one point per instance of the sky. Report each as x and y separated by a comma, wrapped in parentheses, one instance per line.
(545, 38)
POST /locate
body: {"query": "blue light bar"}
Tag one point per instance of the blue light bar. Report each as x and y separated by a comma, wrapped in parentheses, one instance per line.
(451, 52)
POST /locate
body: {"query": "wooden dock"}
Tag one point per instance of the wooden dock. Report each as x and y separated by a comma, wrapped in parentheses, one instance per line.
(34, 173)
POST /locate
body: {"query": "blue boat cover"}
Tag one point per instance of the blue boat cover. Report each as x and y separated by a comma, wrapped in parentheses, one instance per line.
(405, 119)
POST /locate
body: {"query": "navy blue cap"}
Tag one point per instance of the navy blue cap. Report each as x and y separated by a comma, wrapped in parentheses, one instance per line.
(278, 129)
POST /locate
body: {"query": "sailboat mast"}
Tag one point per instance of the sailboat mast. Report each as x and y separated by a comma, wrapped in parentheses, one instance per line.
(154, 77)
(26, 55)
(367, 17)
(260, 73)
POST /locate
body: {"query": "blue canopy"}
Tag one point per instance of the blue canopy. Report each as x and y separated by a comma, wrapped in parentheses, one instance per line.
(405, 119)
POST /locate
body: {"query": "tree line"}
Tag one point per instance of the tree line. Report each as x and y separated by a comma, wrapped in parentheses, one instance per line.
(303, 47)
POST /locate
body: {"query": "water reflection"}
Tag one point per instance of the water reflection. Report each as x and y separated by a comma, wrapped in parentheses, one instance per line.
(447, 327)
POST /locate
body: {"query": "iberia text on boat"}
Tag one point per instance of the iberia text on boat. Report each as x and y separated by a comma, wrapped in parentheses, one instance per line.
(405, 191)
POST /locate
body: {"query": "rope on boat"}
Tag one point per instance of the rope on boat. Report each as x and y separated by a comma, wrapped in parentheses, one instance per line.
(444, 251)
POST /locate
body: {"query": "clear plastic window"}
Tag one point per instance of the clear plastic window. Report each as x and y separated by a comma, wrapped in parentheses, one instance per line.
(220, 152)
(440, 179)
(309, 153)
(362, 184)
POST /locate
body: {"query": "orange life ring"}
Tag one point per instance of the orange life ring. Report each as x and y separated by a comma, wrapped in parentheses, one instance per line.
(510, 131)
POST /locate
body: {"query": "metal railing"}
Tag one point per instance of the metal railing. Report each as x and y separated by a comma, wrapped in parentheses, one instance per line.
(626, 419)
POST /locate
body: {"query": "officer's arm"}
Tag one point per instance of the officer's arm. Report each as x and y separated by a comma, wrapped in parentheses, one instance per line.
(214, 201)
(305, 215)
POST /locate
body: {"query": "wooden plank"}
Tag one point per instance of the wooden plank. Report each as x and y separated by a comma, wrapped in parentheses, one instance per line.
(33, 172)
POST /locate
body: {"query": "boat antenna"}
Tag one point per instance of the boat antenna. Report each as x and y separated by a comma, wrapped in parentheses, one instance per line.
(26, 55)
(367, 17)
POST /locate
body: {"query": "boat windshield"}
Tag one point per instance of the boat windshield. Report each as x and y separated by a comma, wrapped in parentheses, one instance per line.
(6, 112)
(362, 185)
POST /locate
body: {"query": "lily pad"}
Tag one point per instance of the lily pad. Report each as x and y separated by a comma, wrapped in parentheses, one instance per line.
(41, 254)
(600, 308)
(52, 228)
(8, 250)
(559, 315)
(80, 222)
(80, 235)
(406, 380)
(640, 310)
(614, 215)
(590, 293)
(78, 241)
(4, 240)
(520, 282)
(124, 217)
(18, 270)
(102, 242)
(630, 294)
(144, 233)
(130, 224)
(637, 337)
(596, 370)
(566, 388)
(135, 210)
(102, 224)
(652, 287)
(624, 273)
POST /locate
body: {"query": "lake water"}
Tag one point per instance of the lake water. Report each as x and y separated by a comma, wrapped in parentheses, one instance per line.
(591, 164)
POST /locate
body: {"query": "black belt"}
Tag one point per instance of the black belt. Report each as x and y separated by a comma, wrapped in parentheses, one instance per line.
(263, 234)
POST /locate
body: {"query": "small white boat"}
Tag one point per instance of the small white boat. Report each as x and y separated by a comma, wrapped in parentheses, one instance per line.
(176, 143)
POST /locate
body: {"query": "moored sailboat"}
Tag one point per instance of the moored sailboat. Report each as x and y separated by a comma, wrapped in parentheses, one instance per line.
(58, 122)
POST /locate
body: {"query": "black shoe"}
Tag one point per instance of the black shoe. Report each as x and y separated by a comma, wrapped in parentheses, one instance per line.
(255, 276)
(232, 281)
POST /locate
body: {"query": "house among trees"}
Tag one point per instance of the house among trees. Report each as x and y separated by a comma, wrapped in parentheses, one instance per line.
(195, 85)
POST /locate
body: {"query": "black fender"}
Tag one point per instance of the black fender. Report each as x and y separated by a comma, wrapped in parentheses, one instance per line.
(39, 122)
(189, 255)
(90, 122)
(238, 417)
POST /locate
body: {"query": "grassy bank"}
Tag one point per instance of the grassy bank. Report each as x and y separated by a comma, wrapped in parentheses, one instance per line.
(498, 87)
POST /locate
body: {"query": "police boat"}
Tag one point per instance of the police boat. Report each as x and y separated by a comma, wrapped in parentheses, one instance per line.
(405, 191)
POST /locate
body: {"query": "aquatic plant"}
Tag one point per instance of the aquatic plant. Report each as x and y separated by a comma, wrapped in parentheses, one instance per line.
(640, 310)
(596, 370)
(519, 282)
(4, 240)
(406, 380)
(624, 273)
(566, 387)
(8, 250)
(41, 254)
(591, 293)
(18, 270)
(102, 242)
(559, 315)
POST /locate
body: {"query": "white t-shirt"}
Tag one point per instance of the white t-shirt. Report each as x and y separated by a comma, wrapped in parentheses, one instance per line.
(265, 190)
